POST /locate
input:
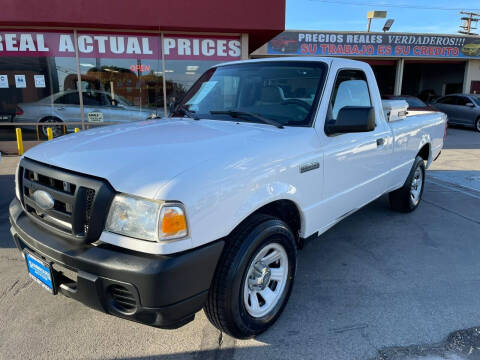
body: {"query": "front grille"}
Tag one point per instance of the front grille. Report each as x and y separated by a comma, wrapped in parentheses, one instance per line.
(63, 193)
(122, 299)
(80, 203)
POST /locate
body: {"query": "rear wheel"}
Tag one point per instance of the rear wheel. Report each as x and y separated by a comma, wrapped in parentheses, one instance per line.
(409, 196)
(254, 277)
(57, 130)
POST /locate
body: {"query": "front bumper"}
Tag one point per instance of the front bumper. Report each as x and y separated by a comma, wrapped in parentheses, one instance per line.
(163, 290)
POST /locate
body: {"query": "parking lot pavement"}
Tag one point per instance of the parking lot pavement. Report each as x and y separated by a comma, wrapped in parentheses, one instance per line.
(379, 285)
(460, 159)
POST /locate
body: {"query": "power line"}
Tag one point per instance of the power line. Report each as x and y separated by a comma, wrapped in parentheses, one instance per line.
(403, 6)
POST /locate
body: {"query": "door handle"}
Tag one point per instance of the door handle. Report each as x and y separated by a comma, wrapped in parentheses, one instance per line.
(380, 142)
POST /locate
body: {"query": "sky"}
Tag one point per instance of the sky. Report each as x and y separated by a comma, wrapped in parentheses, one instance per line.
(418, 16)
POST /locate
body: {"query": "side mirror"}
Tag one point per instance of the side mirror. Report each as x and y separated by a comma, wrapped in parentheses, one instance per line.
(353, 119)
(469, 104)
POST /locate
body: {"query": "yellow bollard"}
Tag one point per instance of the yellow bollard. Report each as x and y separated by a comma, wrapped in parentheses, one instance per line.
(19, 141)
(49, 133)
(77, 130)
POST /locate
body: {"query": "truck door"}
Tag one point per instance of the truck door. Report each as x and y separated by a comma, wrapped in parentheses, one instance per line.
(356, 164)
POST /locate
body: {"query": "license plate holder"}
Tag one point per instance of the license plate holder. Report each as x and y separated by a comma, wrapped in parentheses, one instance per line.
(41, 272)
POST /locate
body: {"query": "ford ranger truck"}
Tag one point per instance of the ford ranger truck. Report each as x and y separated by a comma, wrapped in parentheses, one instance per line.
(152, 221)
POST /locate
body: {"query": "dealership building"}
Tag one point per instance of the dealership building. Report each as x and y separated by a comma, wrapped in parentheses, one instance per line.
(424, 65)
(103, 61)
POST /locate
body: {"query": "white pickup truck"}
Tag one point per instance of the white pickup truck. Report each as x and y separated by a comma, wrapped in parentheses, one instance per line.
(155, 220)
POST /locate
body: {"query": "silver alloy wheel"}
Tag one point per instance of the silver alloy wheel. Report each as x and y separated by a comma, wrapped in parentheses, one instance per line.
(266, 280)
(56, 130)
(416, 186)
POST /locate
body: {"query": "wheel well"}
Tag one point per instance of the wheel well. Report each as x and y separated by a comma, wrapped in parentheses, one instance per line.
(424, 152)
(285, 210)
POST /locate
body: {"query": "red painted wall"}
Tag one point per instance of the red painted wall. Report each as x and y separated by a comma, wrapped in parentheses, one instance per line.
(262, 19)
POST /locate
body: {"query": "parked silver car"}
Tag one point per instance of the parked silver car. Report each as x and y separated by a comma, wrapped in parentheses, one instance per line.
(461, 109)
(99, 106)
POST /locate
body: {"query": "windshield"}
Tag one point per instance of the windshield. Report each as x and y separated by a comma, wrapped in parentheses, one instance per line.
(283, 91)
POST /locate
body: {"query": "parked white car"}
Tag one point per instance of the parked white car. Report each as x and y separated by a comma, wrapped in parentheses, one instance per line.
(155, 220)
(99, 106)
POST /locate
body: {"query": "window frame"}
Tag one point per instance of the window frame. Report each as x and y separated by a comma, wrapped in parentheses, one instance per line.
(332, 94)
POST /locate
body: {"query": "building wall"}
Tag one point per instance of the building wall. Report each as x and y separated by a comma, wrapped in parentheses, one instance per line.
(262, 20)
(472, 74)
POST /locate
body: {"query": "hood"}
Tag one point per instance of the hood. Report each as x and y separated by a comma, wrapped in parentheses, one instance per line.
(140, 158)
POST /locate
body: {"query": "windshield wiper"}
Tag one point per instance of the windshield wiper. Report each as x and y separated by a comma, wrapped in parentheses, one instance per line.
(185, 111)
(236, 114)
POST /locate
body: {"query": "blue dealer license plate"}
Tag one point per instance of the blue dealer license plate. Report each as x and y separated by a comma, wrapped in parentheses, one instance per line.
(40, 271)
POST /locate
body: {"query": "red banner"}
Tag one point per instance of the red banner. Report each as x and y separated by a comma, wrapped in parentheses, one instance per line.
(105, 45)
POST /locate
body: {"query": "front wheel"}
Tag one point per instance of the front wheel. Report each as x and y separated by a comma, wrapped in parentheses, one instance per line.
(477, 124)
(57, 130)
(408, 197)
(254, 277)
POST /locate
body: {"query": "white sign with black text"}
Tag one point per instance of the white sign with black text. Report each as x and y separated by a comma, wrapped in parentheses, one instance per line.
(3, 81)
(95, 116)
(39, 81)
(20, 81)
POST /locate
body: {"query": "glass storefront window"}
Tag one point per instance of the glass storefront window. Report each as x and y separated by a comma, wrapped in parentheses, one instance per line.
(122, 81)
(32, 78)
(188, 57)
(121, 76)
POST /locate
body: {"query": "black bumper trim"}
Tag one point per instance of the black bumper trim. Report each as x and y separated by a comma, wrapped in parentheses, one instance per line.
(168, 289)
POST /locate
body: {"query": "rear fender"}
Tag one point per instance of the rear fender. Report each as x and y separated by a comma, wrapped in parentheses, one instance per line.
(426, 140)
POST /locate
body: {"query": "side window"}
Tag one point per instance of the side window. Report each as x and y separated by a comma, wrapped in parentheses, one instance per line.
(463, 100)
(68, 99)
(448, 100)
(94, 99)
(350, 89)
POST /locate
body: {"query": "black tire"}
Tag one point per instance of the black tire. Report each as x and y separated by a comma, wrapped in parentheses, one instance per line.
(477, 124)
(402, 199)
(56, 129)
(225, 306)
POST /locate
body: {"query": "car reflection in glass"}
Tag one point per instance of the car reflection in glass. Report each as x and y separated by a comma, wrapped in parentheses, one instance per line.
(99, 107)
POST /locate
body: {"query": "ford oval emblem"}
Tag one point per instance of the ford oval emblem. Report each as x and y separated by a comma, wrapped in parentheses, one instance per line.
(43, 199)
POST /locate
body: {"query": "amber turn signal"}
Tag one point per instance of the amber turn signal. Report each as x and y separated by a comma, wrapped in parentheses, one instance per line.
(173, 223)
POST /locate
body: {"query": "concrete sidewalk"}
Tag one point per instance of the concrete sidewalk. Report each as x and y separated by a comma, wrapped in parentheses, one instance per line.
(10, 147)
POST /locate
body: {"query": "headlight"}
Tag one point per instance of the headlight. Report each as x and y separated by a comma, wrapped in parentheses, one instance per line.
(146, 219)
(17, 185)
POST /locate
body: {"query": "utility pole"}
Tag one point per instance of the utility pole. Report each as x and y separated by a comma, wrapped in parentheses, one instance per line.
(468, 22)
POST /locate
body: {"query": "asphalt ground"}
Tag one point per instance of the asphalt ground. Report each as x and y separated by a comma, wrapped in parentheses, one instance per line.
(379, 285)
